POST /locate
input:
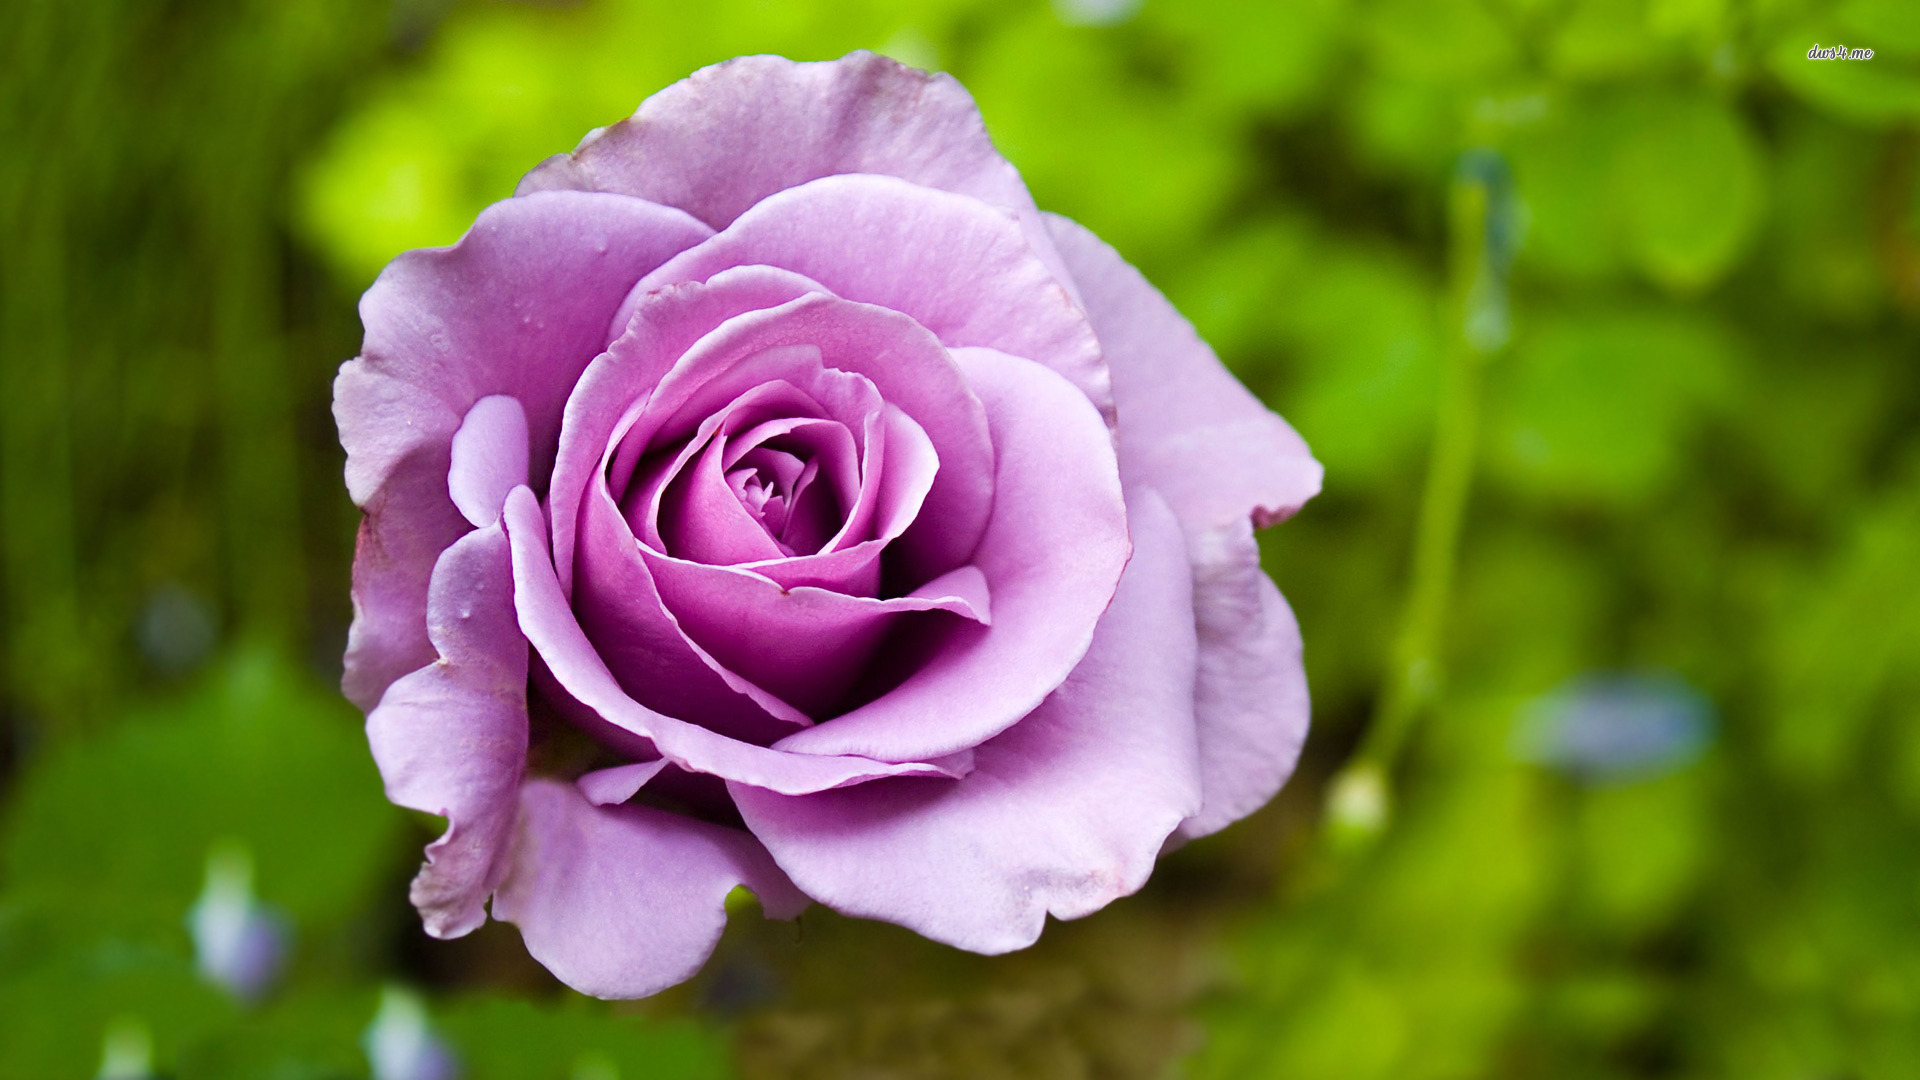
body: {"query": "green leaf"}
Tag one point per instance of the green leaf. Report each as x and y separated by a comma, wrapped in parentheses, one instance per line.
(55, 1015)
(1882, 25)
(1598, 405)
(1564, 175)
(1642, 847)
(1692, 189)
(1439, 40)
(1824, 238)
(122, 824)
(1133, 160)
(1256, 57)
(1363, 324)
(500, 1039)
(1603, 38)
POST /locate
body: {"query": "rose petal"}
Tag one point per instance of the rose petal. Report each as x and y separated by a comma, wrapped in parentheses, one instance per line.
(957, 266)
(489, 458)
(517, 307)
(804, 342)
(618, 606)
(697, 514)
(1187, 427)
(1251, 696)
(732, 134)
(625, 901)
(1225, 463)
(610, 787)
(832, 415)
(662, 325)
(451, 738)
(804, 645)
(578, 670)
(705, 518)
(1062, 814)
(1051, 554)
(409, 522)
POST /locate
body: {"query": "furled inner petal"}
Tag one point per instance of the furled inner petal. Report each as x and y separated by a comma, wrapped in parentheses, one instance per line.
(772, 492)
(649, 459)
(777, 488)
(764, 511)
(806, 645)
(836, 352)
(1053, 554)
(651, 333)
(794, 647)
(581, 670)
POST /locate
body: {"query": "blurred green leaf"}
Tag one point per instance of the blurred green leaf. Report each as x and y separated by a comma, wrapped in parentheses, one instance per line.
(1823, 233)
(1884, 25)
(501, 1039)
(1276, 58)
(1364, 325)
(311, 1034)
(1405, 125)
(1842, 637)
(1065, 106)
(1598, 405)
(257, 753)
(1642, 847)
(54, 1014)
(1603, 38)
(1692, 181)
(1439, 40)
(1564, 173)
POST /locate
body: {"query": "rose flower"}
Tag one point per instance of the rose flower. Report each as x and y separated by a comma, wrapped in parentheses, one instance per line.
(768, 494)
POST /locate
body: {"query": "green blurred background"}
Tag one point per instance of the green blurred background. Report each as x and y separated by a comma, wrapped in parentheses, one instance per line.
(1657, 804)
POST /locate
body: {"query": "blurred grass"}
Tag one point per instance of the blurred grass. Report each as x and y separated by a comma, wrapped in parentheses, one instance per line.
(1700, 456)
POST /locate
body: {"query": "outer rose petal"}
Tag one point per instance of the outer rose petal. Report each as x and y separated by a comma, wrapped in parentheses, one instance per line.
(409, 522)
(517, 307)
(451, 738)
(1225, 463)
(625, 901)
(1051, 557)
(727, 136)
(957, 266)
(1252, 690)
(1062, 814)
(1188, 428)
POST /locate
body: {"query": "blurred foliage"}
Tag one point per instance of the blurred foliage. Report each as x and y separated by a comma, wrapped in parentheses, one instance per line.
(1699, 458)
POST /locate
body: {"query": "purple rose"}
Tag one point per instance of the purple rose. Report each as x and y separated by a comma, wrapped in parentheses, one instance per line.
(840, 525)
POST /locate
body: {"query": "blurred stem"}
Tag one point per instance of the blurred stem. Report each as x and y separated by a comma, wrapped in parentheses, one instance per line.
(1480, 230)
